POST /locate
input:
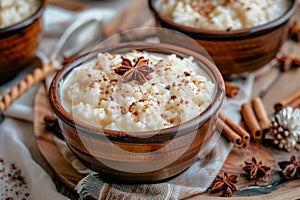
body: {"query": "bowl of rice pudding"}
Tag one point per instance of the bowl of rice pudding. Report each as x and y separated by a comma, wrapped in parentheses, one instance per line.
(241, 35)
(138, 112)
(20, 32)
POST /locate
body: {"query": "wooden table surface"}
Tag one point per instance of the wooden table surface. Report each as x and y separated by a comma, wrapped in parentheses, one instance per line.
(283, 85)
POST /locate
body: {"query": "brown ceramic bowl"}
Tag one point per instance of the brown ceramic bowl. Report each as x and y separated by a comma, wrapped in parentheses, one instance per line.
(151, 155)
(236, 51)
(18, 43)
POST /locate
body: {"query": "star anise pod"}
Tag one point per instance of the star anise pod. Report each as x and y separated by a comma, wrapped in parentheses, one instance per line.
(225, 183)
(138, 71)
(294, 32)
(255, 169)
(227, 193)
(288, 61)
(290, 169)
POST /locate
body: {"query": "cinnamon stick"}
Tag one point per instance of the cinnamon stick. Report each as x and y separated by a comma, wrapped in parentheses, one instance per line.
(295, 103)
(288, 101)
(261, 115)
(251, 121)
(231, 89)
(237, 128)
(228, 133)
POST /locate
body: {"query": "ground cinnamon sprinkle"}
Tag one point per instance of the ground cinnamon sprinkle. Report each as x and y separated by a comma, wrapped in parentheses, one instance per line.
(12, 183)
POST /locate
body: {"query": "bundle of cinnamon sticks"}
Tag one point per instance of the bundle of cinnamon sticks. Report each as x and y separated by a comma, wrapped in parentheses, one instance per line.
(256, 118)
(232, 131)
(292, 100)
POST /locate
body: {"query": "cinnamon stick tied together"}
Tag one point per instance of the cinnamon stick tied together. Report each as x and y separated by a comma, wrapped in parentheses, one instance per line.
(256, 118)
(292, 100)
(233, 132)
(231, 89)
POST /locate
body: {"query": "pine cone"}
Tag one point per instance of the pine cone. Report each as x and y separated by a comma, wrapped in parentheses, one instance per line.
(286, 128)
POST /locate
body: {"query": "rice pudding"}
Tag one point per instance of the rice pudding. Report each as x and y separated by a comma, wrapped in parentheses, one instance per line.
(222, 14)
(14, 11)
(161, 91)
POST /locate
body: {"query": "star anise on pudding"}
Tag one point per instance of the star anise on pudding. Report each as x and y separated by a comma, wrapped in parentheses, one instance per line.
(290, 169)
(255, 169)
(137, 71)
(225, 183)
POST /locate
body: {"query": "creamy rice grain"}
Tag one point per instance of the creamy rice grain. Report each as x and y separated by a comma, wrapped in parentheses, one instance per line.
(223, 14)
(176, 91)
(14, 11)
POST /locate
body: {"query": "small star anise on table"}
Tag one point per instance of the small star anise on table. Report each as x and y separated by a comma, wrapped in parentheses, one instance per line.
(288, 61)
(255, 169)
(138, 71)
(226, 184)
(294, 32)
(290, 169)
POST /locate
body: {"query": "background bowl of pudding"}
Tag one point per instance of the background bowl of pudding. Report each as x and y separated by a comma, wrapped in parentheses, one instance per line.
(134, 141)
(236, 46)
(20, 32)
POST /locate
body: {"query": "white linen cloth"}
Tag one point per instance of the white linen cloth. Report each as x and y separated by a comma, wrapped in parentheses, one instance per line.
(17, 142)
(17, 145)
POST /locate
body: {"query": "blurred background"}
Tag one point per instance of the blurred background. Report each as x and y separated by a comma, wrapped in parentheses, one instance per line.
(117, 5)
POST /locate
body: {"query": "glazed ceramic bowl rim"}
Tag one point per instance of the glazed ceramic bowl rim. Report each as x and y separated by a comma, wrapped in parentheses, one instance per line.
(200, 119)
(233, 34)
(27, 21)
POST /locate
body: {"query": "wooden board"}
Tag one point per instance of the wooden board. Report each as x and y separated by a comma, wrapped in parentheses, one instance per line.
(275, 188)
(69, 177)
(45, 141)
